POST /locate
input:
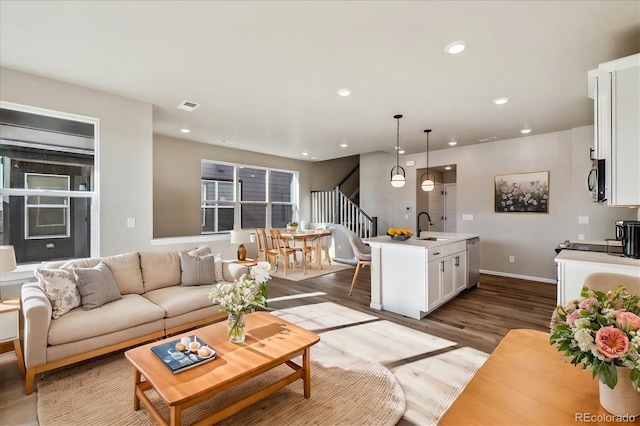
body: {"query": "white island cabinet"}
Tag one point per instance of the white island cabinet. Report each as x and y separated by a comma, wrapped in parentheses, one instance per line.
(414, 277)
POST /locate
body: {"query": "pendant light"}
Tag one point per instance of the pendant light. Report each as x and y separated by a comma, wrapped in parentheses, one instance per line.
(398, 178)
(427, 178)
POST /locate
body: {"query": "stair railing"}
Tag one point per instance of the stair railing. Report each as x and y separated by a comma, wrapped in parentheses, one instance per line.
(333, 206)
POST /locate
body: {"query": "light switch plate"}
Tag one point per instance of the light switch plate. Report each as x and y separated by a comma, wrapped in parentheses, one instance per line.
(467, 217)
(131, 222)
(583, 220)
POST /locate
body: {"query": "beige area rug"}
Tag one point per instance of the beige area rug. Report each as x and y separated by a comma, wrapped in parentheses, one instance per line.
(345, 391)
(312, 272)
(431, 370)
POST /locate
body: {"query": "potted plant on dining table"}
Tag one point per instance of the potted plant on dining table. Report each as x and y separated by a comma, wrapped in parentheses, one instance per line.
(292, 226)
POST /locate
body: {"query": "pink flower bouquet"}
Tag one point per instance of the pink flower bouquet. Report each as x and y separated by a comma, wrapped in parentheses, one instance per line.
(600, 331)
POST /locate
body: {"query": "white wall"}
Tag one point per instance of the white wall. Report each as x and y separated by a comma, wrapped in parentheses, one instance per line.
(125, 150)
(530, 237)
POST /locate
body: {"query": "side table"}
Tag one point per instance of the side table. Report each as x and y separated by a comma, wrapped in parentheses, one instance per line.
(247, 262)
(10, 332)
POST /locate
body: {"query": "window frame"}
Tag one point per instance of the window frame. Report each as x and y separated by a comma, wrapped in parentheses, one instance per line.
(65, 207)
(237, 190)
(93, 195)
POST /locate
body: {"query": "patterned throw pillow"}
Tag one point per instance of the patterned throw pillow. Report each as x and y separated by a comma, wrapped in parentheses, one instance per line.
(60, 287)
(197, 270)
(97, 286)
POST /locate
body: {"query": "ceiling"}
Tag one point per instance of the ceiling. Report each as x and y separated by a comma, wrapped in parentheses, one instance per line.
(266, 73)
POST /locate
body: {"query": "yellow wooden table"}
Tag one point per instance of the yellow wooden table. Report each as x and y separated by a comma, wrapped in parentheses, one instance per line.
(525, 381)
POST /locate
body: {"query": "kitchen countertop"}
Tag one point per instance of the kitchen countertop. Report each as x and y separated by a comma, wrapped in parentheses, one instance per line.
(453, 237)
(595, 257)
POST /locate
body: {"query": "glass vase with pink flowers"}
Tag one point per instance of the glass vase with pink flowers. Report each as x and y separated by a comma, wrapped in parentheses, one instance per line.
(601, 331)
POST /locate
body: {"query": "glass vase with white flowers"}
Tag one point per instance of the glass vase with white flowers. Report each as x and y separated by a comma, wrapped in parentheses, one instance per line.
(243, 295)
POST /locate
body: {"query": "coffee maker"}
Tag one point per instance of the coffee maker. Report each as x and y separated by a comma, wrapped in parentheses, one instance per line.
(628, 231)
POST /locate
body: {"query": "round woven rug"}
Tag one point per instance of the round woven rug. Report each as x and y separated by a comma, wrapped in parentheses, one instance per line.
(344, 391)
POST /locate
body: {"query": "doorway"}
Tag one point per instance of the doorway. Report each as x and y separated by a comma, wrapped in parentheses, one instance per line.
(441, 203)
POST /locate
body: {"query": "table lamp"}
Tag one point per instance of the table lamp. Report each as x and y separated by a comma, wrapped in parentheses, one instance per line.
(239, 236)
(7, 262)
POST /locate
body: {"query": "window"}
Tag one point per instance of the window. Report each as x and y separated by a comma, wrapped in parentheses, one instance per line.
(46, 216)
(252, 196)
(47, 184)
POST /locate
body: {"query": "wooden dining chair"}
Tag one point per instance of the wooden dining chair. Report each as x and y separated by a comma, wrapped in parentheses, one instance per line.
(279, 248)
(306, 250)
(264, 247)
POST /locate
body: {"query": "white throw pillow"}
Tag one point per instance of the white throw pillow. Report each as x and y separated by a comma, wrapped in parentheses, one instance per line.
(60, 287)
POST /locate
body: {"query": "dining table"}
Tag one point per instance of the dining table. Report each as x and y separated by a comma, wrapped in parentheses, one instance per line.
(309, 238)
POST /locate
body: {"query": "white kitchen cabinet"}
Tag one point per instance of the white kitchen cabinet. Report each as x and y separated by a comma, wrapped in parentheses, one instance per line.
(575, 266)
(449, 271)
(460, 275)
(434, 278)
(615, 88)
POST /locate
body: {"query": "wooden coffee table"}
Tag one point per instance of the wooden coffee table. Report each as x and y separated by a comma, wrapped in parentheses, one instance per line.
(270, 342)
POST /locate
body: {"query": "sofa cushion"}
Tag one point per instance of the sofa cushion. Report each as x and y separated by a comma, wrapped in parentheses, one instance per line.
(125, 269)
(201, 251)
(197, 270)
(160, 269)
(59, 285)
(96, 285)
(178, 300)
(130, 311)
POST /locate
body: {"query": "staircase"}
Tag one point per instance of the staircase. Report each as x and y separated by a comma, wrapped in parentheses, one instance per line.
(333, 206)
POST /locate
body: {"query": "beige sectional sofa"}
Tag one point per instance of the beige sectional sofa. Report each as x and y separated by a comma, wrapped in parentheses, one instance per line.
(152, 304)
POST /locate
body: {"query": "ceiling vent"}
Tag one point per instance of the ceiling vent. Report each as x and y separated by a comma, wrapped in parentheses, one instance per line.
(188, 105)
(489, 139)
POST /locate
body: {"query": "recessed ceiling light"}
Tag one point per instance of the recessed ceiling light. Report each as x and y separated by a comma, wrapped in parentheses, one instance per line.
(401, 151)
(500, 101)
(305, 154)
(343, 145)
(447, 168)
(455, 47)
(525, 131)
(185, 130)
(453, 143)
(344, 91)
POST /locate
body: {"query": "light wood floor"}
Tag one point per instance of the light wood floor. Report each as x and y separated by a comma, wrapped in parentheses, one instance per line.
(477, 318)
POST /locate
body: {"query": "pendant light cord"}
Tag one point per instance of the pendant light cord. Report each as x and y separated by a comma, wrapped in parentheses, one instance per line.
(398, 143)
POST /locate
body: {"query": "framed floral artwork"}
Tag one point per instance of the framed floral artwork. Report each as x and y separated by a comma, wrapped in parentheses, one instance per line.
(522, 193)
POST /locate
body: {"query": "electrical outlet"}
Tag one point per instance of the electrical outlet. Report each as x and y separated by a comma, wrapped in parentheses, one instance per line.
(512, 259)
(581, 236)
(131, 222)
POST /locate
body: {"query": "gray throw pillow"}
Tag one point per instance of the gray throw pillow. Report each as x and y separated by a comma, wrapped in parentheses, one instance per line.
(197, 270)
(96, 285)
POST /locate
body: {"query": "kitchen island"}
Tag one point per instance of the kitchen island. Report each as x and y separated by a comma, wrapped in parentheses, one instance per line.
(414, 277)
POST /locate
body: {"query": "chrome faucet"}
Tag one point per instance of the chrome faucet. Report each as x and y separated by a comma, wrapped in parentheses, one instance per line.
(418, 222)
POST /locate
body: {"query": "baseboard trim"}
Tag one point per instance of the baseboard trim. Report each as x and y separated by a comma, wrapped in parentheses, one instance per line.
(523, 277)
